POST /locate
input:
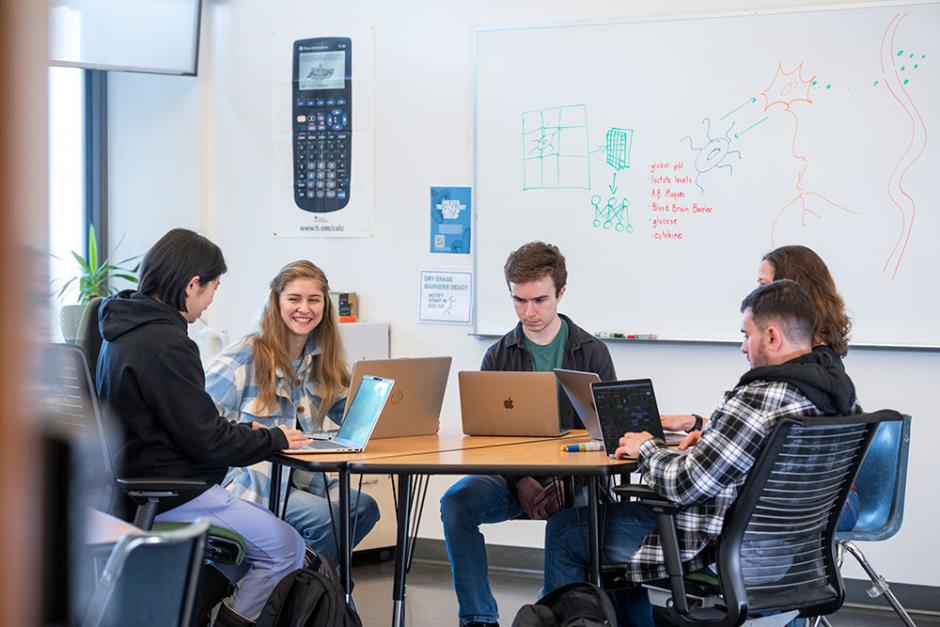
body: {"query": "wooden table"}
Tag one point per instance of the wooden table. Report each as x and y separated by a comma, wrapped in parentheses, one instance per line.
(105, 529)
(539, 458)
(385, 448)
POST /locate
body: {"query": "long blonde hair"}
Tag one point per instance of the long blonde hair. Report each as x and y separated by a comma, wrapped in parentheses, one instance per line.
(270, 344)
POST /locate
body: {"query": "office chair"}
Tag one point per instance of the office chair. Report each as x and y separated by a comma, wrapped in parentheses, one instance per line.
(72, 400)
(881, 482)
(151, 579)
(776, 555)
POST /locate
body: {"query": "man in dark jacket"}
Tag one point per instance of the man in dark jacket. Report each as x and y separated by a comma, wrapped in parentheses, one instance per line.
(787, 378)
(543, 340)
(150, 375)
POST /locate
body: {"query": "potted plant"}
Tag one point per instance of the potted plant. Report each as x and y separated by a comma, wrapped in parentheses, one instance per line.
(95, 280)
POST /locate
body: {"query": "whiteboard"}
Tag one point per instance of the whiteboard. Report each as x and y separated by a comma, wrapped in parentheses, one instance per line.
(666, 157)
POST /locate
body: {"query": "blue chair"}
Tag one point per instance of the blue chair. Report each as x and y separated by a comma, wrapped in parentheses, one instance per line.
(151, 579)
(881, 482)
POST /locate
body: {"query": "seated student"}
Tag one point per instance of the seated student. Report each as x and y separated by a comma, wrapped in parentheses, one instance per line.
(830, 335)
(150, 375)
(293, 370)
(542, 340)
(787, 378)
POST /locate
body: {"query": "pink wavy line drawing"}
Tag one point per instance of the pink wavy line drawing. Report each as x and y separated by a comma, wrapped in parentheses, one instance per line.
(918, 127)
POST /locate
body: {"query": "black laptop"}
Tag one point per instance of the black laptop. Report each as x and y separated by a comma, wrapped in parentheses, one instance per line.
(626, 406)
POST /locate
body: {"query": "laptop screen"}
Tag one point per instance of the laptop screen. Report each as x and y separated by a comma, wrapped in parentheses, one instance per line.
(364, 411)
(626, 406)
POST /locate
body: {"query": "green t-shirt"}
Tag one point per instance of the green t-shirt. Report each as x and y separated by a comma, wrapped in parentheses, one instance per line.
(548, 357)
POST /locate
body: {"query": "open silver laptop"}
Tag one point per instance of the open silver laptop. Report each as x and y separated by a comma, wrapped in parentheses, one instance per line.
(577, 385)
(509, 403)
(414, 406)
(359, 420)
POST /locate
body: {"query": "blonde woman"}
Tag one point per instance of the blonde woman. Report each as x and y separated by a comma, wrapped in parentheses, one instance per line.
(292, 372)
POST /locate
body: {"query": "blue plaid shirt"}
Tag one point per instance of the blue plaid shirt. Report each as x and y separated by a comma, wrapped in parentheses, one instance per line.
(232, 384)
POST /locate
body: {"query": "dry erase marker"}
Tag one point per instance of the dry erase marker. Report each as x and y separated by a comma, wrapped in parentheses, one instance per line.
(616, 335)
(584, 446)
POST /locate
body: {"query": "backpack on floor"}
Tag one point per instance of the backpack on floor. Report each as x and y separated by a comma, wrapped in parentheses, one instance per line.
(577, 604)
(309, 597)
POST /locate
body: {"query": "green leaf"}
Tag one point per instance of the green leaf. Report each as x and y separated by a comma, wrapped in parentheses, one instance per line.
(81, 262)
(92, 247)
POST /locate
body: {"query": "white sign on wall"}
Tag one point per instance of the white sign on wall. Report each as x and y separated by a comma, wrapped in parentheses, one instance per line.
(446, 296)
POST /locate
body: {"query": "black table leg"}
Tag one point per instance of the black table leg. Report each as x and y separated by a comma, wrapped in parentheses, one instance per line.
(345, 543)
(594, 532)
(402, 550)
(274, 494)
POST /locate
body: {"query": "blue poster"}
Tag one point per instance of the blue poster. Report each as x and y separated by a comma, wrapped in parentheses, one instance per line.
(450, 220)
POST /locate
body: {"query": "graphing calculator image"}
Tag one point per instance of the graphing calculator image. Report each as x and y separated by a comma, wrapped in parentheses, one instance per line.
(322, 123)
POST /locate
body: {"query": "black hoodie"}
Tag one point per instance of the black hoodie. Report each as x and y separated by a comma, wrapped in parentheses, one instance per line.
(150, 376)
(819, 375)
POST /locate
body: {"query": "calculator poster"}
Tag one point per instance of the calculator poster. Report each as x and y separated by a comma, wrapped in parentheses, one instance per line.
(323, 134)
(450, 220)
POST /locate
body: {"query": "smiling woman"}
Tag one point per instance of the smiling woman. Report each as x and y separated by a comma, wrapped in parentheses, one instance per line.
(292, 371)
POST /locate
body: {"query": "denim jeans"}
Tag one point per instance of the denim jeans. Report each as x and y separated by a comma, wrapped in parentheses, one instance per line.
(308, 511)
(472, 501)
(272, 547)
(567, 555)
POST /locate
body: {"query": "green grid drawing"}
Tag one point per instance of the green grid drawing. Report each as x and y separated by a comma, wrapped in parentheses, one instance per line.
(555, 148)
(619, 143)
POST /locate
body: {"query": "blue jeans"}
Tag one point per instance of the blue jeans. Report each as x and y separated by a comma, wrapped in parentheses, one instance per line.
(308, 511)
(567, 555)
(272, 547)
(469, 503)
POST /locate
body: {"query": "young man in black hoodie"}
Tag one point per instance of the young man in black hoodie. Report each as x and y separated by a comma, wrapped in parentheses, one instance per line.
(787, 378)
(150, 375)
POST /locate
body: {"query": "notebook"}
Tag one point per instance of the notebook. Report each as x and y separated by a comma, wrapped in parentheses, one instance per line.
(577, 385)
(359, 420)
(626, 406)
(414, 406)
(509, 403)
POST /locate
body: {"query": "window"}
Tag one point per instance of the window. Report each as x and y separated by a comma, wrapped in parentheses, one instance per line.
(67, 188)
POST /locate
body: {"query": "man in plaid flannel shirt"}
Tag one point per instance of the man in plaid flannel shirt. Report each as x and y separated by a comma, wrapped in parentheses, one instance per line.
(788, 377)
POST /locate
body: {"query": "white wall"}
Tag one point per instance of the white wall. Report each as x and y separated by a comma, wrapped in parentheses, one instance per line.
(202, 159)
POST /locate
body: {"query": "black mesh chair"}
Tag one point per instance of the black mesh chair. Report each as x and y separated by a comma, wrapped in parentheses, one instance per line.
(776, 556)
(72, 401)
(151, 579)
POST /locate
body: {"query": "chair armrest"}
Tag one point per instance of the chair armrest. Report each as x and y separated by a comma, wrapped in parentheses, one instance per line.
(157, 487)
(647, 497)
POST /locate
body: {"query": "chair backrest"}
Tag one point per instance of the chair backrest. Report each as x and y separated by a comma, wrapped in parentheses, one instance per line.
(71, 402)
(89, 337)
(777, 548)
(151, 579)
(882, 482)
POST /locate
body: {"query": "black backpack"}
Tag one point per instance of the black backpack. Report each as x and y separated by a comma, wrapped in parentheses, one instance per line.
(577, 604)
(309, 597)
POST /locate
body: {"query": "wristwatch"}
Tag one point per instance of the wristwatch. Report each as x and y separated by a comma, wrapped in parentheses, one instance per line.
(698, 424)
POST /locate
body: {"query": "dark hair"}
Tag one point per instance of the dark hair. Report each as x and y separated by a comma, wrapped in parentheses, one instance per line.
(786, 303)
(534, 260)
(804, 266)
(176, 258)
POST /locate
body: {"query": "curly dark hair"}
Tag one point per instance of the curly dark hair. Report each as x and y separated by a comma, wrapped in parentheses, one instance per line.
(801, 264)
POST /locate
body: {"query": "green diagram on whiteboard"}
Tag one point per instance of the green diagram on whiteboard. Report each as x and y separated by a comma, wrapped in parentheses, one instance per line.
(619, 142)
(612, 215)
(555, 148)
